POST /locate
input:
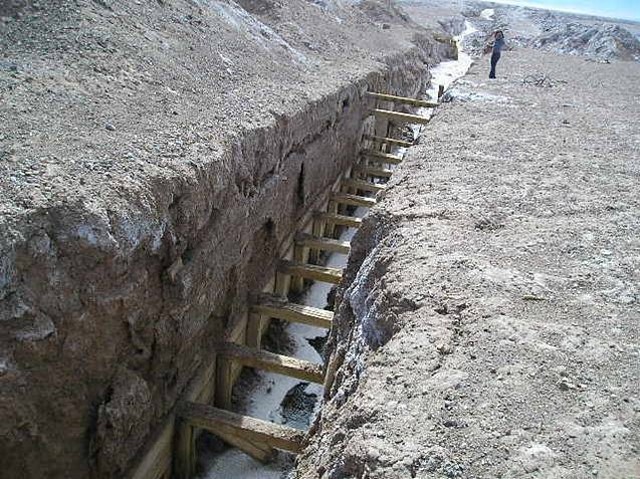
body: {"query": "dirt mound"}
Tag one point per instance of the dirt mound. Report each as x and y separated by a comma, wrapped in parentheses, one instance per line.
(597, 42)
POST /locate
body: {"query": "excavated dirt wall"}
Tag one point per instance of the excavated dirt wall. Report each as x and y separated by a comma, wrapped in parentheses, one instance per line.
(106, 315)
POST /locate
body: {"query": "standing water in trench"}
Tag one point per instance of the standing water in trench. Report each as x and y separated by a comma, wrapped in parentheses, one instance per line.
(271, 391)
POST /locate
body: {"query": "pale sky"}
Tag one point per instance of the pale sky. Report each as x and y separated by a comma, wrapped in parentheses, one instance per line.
(629, 9)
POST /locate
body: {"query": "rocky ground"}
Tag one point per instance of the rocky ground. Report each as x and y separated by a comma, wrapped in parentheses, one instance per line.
(596, 38)
(488, 326)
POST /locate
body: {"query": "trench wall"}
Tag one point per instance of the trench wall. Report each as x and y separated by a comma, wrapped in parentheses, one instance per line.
(109, 336)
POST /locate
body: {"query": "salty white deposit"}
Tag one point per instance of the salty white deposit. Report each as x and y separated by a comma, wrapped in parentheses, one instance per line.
(487, 13)
(270, 389)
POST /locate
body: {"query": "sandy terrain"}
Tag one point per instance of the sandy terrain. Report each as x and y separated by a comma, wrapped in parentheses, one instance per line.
(488, 324)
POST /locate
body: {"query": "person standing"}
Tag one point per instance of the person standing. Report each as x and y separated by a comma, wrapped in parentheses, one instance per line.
(498, 45)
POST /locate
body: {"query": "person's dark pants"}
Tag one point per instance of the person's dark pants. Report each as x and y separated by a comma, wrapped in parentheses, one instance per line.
(494, 61)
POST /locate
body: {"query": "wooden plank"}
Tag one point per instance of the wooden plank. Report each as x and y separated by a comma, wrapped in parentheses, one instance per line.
(279, 308)
(390, 141)
(275, 363)
(342, 220)
(300, 255)
(375, 171)
(353, 200)
(184, 462)
(157, 461)
(324, 244)
(254, 330)
(384, 157)
(318, 229)
(364, 185)
(224, 383)
(311, 271)
(398, 116)
(254, 430)
(402, 99)
(259, 451)
(332, 209)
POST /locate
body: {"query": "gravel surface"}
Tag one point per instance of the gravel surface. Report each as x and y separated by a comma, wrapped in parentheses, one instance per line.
(489, 323)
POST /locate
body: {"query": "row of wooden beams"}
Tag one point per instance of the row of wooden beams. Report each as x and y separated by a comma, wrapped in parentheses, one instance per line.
(364, 185)
(398, 116)
(311, 271)
(324, 244)
(402, 99)
(390, 141)
(276, 307)
(218, 421)
(275, 363)
(375, 171)
(341, 220)
(353, 200)
(385, 157)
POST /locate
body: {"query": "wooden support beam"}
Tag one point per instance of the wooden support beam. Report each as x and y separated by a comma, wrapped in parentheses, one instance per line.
(390, 141)
(375, 171)
(184, 457)
(324, 244)
(275, 307)
(402, 99)
(364, 185)
(353, 200)
(329, 228)
(318, 229)
(342, 220)
(254, 330)
(275, 363)
(218, 421)
(398, 116)
(224, 383)
(311, 271)
(158, 459)
(300, 255)
(383, 157)
(259, 451)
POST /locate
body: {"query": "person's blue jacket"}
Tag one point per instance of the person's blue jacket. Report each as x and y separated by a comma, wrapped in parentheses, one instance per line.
(498, 45)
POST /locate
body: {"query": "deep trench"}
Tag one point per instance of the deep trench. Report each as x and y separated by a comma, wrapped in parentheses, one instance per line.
(284, 400)
(231, 229)
(288, 401)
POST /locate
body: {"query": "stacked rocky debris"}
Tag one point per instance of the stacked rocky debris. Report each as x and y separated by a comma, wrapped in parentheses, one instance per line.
(598, 39)
(602, 42)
